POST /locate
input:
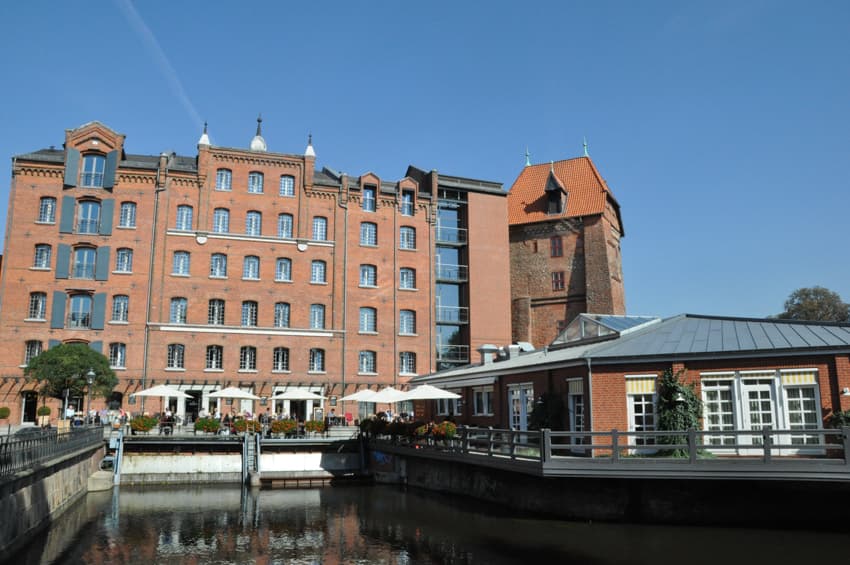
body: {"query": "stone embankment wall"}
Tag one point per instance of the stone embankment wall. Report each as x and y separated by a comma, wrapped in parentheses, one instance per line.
(31, 500)
(145, 468)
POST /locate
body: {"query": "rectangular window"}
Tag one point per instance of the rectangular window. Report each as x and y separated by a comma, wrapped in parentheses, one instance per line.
(802, 410)
(407, 203)
(642, 417)
(718, 411)
(215, 357)
(127, 218)
(255, 183)
(558, 280)
(254, 223)
(407, 278)
(218, 265)
(317, 272)
(284, 226)
(42, 256)
(223, 179)
(183, 222)
(556, 246)
(368, 320)
(79, 316)
(407, 363)
(249, 313)
(180, 263)
(88, 217)
(368, 275)
(248, 358)
(369, 199)
(283, 270)
(368, 234)
(367, 362)
(317, 316)
(124, 260)
(117, 355)
(38, 306)
(281, 359)
(33, 349)
(482, 401)
(93, 168)
(120, 308)
(281, 315)
(407, 237)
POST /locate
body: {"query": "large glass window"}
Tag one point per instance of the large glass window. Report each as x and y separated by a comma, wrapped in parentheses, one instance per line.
(802, 410)
(253, 223)
(247, 358)
(42, 256)
(368, 233)
(407, 237)
(32, 350)
(642, 416)
(368, 320)
(317, 316)
(88, 216)
(281, 359)
(79, 316)
(184, 218)
(320, 228)
(218, 265)
(407, 363)
(368, 362)
(283, 269)
(179, 310)
(251, 267)
(127, 217)
(317, 360)
(180, 263)
(250, 312)
(176, 356)
(368, 275)
(117, 355)
(223, 179)
(93, 168)
(317, 272)
(281, 315)
(84, 261)
(124, 260)
(221, 220)
(407, 322)
(255, 182)
(482, 401)
(369, 199)
(407, 203)
(407, 278)
(215, 312)
(215, 357)
(718, 411)
(287, 185)
(47, 210)
(38, 306)
(284, 226)
(120, 308)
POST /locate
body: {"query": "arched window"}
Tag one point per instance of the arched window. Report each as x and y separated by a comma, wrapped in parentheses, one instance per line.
(215, 312)
(407, 237)
(250, 311)
(407, 363)
(93, 168)
(180, 263)
(255, 182)
(33, 349)
(284, 226)
(369, 199)
(179, 310)
(42, 256)
(124, 260)
(368, 362)
(281, 315)
(127, 217)
(287, 185)
(84, 261)
(79, 316)
(368, 233)
(407, 322)
(176, 356)
(407, 278)
(317, 272)
(88, 216)
(38, 306)
(320, 228)
(317, 316)
(47, 210)
(317, 360)
(221, 220)
(223, 178)
(368, 320)
(183, 221)
(120, 308)
(247, 358)
(215, 357)
(218, 265)
(368, 275)
(253, 223)
(117, 355)
(281, 359)
(251, 268)
(283, 269)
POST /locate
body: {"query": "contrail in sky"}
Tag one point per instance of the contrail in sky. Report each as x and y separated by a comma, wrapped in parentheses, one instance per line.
(160, 58)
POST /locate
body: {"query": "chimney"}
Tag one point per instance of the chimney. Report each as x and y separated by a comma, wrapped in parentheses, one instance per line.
(513, 351)
(487, 352)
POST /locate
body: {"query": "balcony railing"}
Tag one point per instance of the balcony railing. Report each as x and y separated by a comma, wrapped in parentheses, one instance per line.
(451, 235)
(83, 271)
(455, 353)
(87, 226)
(453, 314)
(454, 273)
(79, 321)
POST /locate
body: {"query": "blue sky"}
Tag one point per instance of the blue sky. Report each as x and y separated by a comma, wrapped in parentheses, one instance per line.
(722, 127)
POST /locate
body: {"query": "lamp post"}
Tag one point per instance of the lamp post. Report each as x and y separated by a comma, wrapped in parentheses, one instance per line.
(90, 380)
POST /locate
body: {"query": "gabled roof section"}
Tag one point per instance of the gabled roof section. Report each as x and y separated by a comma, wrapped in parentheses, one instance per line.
(587, 192)
(591, 326)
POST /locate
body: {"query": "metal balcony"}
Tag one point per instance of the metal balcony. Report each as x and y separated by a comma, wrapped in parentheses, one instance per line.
(452, 273)
(453, 353)
(454, 236)
(452, 314)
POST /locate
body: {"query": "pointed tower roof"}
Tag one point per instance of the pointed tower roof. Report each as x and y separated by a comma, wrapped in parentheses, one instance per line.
(205, 139)
(310, 152)
(258, 143)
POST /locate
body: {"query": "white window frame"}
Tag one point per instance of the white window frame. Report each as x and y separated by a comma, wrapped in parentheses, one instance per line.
(287, 186)
(127, 215)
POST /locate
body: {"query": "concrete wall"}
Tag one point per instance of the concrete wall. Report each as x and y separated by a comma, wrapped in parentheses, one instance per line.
(309, 461)
(33, 499)
(142, 468)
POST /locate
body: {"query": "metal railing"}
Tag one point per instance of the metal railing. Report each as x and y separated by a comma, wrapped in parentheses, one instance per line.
(455, 273)
(453, 353)
(26, 452)
(453, 314)
(816, 454)
(451, 235)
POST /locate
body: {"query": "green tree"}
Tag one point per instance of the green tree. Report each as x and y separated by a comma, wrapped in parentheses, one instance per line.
(815, 304)
(66, 366)
(679, 408)
(548, 412)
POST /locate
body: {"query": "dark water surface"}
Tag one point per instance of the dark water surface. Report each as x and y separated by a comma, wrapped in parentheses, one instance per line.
(366, 524)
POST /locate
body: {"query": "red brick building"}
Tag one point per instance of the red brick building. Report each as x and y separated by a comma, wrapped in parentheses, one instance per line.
(244, 267)
(749, 373)
(565, 231)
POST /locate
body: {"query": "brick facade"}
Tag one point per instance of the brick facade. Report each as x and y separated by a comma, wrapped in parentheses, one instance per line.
(172, 263)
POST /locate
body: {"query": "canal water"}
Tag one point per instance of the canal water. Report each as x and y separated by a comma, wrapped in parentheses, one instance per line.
(380, 524)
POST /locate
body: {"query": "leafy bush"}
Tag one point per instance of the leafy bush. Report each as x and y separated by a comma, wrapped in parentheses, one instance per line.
(445, 429)
(314, 426)
(839, 419)
(210, 425)
(143, 423)
(284, 426)
(4, 412)
(247, 425)
(42, 410)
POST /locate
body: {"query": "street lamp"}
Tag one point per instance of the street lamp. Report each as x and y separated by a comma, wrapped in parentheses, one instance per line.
(90, 380)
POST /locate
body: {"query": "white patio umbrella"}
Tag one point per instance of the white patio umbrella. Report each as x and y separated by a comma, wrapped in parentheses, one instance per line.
(364, 395)
(428, 392)
(298, 395)
(388, 395)
(162, 391)
(233, 392)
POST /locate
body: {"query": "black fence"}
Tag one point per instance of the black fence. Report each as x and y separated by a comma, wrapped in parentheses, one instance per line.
(23, 452)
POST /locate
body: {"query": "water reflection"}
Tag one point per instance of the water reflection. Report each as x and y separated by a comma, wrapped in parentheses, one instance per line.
(225, 525)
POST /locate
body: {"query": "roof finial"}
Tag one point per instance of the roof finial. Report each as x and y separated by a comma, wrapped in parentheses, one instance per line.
(205, 126)
(552, 166)
(205, 139)
(585, 146)
(310, 152)
(260, 124)
(258, 143)
(527, 157)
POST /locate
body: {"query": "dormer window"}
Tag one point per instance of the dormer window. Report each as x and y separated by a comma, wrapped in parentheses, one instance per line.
(556, 195)
(93, 169)
(556, 202)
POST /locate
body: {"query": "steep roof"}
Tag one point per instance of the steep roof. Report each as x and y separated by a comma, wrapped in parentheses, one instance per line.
(586, 190)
